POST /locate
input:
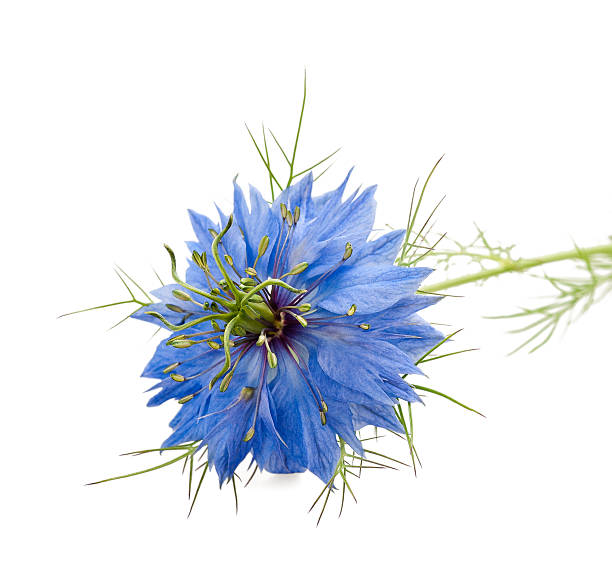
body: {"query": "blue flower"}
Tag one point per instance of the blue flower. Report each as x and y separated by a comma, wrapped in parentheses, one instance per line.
(290, 332)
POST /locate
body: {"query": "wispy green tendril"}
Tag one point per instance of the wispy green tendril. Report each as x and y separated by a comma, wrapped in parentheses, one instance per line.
(294, 173)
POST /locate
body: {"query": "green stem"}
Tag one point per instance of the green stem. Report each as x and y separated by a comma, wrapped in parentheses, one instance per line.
(520, 265)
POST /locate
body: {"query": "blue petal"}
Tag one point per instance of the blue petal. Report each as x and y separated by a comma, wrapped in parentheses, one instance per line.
(371, 288)
(201, 226)
(226, 447)
(269, 448)
(310, 443)
(322, 204)
(340, 349)
(398, 388)
(298, 194)
(321, 242)
(381, 416)
(340, 420)
(232, 244)
(362, 390)
(256, 224)
(383, 249)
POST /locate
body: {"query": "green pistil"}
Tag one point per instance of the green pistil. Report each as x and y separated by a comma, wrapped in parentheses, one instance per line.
(226, 349)
(221, 316)
(215, 251)
(273, 282)
(247, 313)
(223, 302)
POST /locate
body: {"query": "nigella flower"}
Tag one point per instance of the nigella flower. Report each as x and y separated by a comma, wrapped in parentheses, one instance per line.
(290, 333)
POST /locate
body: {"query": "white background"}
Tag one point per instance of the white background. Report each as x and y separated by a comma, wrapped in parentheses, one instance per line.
(118, 116)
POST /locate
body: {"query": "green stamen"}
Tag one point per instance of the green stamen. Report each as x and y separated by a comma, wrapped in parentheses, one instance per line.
(297, 269)
(181, 295)
(348, 251)
(261, 250)
(272, 359)
(171, 367)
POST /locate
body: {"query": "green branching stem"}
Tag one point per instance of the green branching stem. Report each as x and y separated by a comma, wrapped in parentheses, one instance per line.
(520, 265)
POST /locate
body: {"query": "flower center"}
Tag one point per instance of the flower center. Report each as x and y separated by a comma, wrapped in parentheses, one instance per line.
(245, 311)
